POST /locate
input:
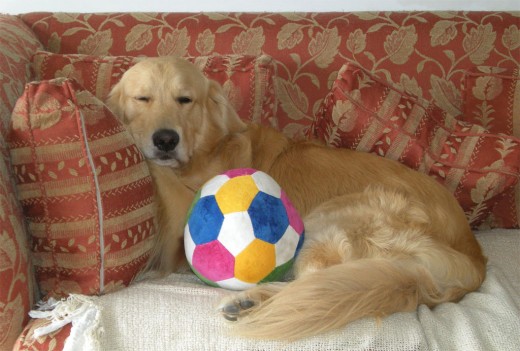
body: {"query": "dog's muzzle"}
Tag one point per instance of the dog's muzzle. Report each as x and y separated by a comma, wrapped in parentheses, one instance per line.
(165, 141)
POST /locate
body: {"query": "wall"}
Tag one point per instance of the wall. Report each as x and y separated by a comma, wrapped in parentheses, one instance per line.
(20, 6)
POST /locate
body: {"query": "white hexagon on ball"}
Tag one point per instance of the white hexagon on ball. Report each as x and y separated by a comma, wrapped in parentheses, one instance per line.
(237, 232)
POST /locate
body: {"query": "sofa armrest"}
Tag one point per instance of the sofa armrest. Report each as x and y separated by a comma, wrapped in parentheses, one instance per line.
(17, 45)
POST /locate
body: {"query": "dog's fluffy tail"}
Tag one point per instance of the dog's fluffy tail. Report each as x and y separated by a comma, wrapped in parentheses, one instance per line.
(371, 287)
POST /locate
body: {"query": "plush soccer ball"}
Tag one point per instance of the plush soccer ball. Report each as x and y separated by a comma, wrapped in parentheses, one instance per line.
(242, 230)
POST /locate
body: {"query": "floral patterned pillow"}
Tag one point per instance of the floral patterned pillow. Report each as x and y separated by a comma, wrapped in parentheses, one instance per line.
(85, 189)
(491, 98)
(246, 79)
(365, 113)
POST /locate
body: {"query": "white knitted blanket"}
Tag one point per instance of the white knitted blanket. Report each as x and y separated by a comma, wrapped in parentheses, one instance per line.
(178, 313)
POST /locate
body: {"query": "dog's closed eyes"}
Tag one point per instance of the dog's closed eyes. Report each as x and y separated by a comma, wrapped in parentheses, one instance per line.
(143, 98)
(184, 100)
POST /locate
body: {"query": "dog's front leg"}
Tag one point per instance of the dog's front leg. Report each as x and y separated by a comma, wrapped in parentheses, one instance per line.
(172, 203)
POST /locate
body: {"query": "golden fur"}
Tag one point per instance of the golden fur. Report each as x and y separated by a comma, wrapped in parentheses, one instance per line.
(380, 237)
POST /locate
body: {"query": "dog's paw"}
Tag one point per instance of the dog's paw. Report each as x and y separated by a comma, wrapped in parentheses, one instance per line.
(234, 307)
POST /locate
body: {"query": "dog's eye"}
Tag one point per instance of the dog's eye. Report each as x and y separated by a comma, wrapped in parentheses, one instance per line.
(143, 98)
(184, 100)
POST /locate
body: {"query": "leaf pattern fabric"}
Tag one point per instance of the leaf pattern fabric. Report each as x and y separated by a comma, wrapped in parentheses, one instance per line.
(85, 189)
(424, 52)
(492, 99)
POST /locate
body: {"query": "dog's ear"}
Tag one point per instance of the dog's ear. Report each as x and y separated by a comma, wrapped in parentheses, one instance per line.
(229, 119)
(115, 102)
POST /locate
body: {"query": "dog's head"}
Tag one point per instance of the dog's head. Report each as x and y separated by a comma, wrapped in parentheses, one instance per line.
(172, 110)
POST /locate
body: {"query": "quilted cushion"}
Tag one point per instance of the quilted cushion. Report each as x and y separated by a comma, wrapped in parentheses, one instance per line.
(85, 189)
(247, 80)
(491, 98)
(365, 113)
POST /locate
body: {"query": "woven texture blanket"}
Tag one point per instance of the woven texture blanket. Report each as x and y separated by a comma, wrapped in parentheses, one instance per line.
(178, 313)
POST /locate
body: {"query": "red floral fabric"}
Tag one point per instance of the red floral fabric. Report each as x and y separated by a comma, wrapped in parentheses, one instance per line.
(16, 283)
(247, 80)
(491, 98)
(51, 342)
(365, 113)
(424, 52)
(85, 189)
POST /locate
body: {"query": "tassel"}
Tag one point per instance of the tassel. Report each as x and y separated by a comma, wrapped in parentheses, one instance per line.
(79, 310)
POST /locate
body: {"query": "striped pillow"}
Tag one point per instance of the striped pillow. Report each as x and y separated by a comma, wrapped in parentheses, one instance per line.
(85, 190)
(247, 80)
(365, 113)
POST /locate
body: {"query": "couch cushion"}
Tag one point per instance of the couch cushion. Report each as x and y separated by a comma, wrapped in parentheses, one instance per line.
(247, 80)
(85, 189)
(491, 98)
(179, 312)
(365, 113)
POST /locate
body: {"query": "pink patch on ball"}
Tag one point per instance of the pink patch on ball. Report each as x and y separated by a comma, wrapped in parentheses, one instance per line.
(213, 261)
(232, 173)
(295, 220)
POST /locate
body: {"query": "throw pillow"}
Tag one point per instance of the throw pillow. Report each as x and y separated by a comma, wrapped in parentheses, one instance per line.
(365, 113)
(491, 98)
(84, 187)
(247, 80)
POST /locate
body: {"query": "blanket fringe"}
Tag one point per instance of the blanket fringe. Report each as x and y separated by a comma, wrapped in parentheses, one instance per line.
(81, 311)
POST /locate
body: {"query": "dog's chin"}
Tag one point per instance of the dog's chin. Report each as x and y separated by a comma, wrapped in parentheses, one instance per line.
(173, 163)
(170, 159)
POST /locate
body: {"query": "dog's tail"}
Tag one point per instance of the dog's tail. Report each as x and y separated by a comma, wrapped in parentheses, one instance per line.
(370, 287)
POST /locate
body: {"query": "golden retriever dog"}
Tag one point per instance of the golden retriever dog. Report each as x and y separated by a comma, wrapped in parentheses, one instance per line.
(380, 237)
(163, 105)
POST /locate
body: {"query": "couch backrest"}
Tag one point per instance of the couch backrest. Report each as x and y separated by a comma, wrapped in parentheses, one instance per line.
(426, 53)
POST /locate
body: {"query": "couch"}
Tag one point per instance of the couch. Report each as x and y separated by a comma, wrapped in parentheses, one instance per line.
(438, 91)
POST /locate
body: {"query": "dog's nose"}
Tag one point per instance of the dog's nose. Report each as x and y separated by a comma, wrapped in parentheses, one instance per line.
(165, 139)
